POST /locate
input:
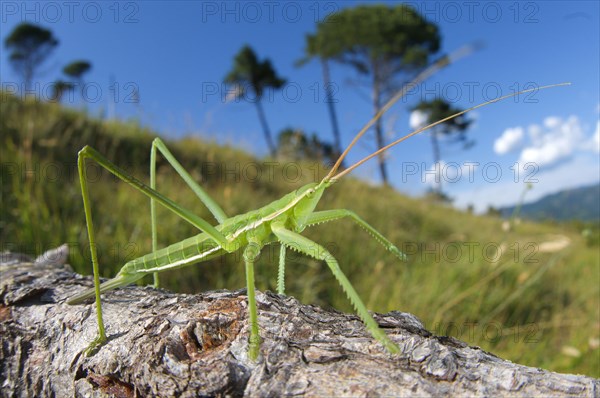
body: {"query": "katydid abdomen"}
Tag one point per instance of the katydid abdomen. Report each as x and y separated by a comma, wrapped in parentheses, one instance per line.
(192, 250)
(188, 251)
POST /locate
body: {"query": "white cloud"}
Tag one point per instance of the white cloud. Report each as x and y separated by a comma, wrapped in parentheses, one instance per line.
(235, 93)
(449, 173)
(552, 122)
(595, 140)
(558, 140)
(418, 119)
(509, 140)
(555, 139)
(434, 174)
(535, 132)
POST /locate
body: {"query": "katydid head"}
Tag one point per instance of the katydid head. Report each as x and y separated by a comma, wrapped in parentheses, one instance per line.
(308, 198)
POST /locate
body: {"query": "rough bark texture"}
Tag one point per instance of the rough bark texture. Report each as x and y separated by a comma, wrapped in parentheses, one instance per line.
(165, 344)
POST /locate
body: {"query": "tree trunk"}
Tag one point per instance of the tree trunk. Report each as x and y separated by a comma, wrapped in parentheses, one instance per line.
(166, 344)
(28, 79)
(436, 159)
(337, 141)
(379, 126)
(265, 127)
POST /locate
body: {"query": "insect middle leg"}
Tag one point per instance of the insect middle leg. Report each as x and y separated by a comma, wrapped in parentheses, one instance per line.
(313, 249)
(281, 271)
(251, 253)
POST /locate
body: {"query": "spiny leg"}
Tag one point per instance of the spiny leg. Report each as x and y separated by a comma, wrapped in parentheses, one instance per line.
(304, 245)
(281, 271)
(251, 253)
(319, 217)
(214, 208)
(89, 152)
(153, 209)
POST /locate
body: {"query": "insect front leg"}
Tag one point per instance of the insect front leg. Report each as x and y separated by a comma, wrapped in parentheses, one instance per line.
(319, 217)
(314, 250)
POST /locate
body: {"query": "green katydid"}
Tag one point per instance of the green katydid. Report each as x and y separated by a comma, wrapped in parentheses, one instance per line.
(280, 221)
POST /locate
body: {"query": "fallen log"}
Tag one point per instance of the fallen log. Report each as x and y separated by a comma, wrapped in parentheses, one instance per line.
(165, 344)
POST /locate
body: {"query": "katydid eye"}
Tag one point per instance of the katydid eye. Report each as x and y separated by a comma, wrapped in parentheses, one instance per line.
(310, 193)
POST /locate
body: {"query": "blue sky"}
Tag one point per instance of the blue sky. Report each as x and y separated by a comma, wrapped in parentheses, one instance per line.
(175, 54)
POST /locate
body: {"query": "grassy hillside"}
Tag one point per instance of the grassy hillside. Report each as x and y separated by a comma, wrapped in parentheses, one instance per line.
(530, 295)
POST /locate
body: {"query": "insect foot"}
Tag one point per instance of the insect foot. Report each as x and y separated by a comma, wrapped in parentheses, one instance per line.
(94, 346)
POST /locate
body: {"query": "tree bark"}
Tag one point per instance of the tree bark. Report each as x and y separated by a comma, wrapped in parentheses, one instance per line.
(166, 344)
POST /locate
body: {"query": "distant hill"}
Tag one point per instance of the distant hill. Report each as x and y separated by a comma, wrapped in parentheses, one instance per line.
(571, 204)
